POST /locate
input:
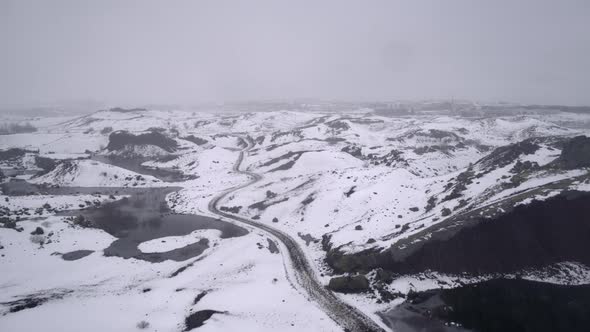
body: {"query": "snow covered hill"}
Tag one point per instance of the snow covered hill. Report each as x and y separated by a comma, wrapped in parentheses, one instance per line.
(382, 202)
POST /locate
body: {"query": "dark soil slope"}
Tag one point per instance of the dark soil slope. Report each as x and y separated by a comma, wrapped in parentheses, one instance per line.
(529, 236)
(118, 140)
(518, 305)
(535, 235)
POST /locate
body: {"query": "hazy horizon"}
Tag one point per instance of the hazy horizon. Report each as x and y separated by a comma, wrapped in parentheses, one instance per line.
(147, 52)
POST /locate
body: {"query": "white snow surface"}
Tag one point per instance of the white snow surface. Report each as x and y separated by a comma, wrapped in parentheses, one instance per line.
(363, 179)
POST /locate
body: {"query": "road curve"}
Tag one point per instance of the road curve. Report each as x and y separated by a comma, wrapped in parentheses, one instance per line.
(348, 317)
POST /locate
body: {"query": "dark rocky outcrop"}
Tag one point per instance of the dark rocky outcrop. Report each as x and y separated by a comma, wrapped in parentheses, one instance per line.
(272, 247)
(196, 140)
(349, 284)
(530, 236)
(38, 231)
(76, 255)
(500, 305)
(575, 153)
(505, 155)
(199, 297)
(46, 164)
(363, 261)
(34, 300)
(263, 205)
(13, 153)
(291, 157)
(338, 125)
(197, 319)
(392, 158)
(118, 140)
(350, 191)
(231, 209)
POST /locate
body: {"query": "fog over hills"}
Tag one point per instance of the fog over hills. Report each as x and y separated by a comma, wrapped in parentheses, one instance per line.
(131, 53)
(278, 165)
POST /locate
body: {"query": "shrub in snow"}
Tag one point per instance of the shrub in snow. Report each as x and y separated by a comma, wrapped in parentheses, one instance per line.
(143, 325)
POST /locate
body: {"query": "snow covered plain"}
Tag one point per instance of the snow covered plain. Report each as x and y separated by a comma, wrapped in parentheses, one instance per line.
(356, 181)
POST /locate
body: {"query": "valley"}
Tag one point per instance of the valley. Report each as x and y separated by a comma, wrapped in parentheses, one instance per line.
(320, 217)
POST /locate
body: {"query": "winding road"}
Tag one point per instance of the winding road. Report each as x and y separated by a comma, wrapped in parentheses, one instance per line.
(345, 315)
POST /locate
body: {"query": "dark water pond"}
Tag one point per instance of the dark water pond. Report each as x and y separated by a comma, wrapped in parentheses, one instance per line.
(143, 216)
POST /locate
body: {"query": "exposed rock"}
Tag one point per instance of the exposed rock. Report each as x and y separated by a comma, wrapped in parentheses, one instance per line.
(338, 125)
(497, 306)
(272, 247)
(530, 236)
(350, 191)
(75, 255)
(326, 244)
(197, 319)
(232, 209)
(383, 276)
(575, 153)
(13, 153)
(118, 140)
(307, 238)
(349, 284)
(308, 200)
(363, 261)
(196, 140)
(38, 231)
(46, 164)
(291, 157)
(505, 155)
(199, 297)
(446, 212)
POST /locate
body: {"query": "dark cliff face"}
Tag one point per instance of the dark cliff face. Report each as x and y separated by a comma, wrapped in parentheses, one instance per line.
(575, 153)
(118, 140)
(502, 305)
(531, 236)
(13, 153)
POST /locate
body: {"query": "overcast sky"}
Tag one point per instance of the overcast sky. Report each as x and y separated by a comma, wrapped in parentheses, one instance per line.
(140, 52)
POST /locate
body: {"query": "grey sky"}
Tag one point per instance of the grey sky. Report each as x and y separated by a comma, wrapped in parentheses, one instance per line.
(139, 52)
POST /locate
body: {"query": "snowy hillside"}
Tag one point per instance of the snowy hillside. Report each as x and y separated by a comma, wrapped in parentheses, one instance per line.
(169, 216)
